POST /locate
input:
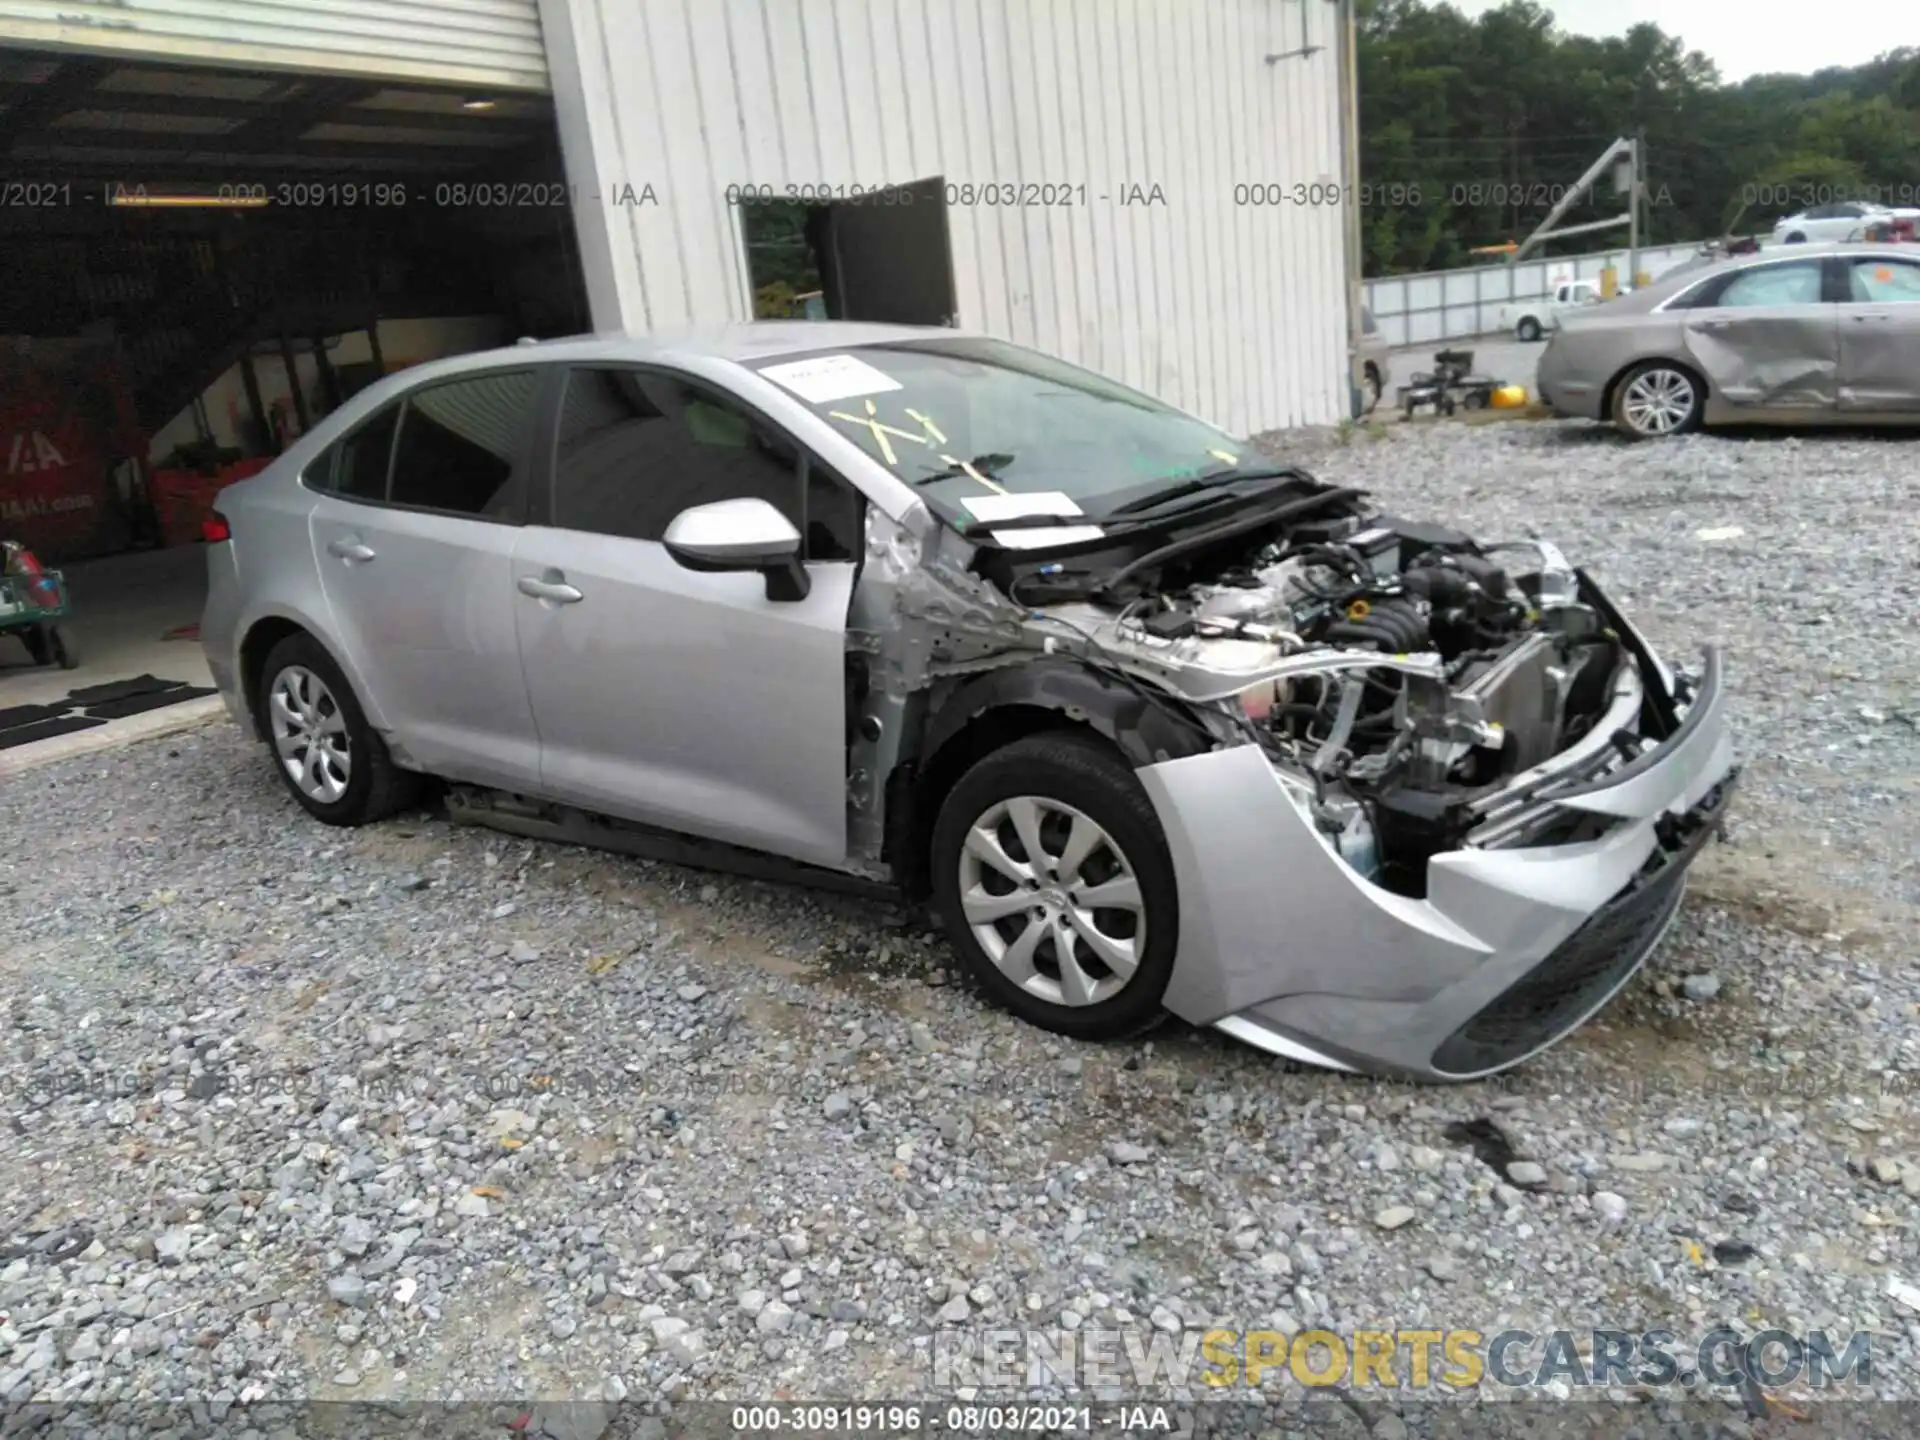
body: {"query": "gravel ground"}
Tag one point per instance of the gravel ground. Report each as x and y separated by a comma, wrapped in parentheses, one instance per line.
(419, 1112)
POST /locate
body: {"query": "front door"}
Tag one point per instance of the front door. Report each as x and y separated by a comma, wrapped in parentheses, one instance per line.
(1768, 340)
(417, 571)
(668, 696)
(1880, 336)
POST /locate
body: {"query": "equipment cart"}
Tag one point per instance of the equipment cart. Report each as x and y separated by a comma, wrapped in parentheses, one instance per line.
(31, 606)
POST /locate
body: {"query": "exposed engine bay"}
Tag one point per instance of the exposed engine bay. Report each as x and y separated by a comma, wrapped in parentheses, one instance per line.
(1400, 675)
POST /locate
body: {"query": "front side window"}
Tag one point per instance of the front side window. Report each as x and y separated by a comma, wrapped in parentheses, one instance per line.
(635, 448)
(462, 446)
(1795, 284)
(974, 424)
(1883, 282)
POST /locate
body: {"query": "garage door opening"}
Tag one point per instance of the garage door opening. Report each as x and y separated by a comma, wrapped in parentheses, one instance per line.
(881, 256)
(197, 264)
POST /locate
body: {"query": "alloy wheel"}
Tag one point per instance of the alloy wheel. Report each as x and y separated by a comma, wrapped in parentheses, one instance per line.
(1658, 402)
(1053, 901)
(310, 734)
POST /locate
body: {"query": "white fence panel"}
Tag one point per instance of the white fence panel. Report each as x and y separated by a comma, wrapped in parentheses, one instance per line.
(1439, 305)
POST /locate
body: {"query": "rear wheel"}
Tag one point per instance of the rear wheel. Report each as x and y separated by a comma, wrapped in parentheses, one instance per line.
(1657, 399)
(1054, 883)
(1796, 238)
(334, 763)
(1528, 329)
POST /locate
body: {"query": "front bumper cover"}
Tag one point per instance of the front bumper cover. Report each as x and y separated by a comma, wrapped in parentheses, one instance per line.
(1286, 947)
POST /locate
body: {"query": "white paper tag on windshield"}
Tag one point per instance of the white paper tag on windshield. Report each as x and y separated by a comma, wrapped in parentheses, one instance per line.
(827, 378)
(1011, 507)
(1045, 536)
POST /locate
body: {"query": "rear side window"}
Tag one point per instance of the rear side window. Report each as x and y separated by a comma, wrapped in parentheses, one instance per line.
(463, 446)
(356, 467)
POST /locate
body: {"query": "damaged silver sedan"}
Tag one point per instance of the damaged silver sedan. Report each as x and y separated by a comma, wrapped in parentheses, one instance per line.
(1156, 723)
(1809, 335)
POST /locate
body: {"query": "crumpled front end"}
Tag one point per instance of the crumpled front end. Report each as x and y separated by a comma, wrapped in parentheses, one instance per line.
(1559, 886)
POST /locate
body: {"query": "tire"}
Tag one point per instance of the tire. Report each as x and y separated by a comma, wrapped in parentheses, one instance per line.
(1656, 399)
(1062, 781)
(353, 781)
(1796, 238)
(34, 637)
(1373, 387)
(61, 648)
(1528, 329)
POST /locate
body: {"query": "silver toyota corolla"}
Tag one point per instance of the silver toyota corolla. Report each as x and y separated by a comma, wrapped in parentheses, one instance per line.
(1158, 724)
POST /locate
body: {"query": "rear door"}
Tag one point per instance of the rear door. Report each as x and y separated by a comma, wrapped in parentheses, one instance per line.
(1880, 335)
(413, 538)
(1765, 337)
(665, 695)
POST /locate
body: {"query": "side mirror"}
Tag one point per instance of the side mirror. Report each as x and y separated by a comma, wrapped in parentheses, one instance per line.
(732, 535)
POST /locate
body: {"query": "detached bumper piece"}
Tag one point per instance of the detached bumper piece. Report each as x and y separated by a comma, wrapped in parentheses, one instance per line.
(1586, 968)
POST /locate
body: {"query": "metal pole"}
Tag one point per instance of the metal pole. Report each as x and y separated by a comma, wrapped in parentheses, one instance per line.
(1633, 210)
(1347, 55)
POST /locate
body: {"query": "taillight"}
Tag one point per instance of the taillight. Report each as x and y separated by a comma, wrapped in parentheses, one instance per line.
(214, 528)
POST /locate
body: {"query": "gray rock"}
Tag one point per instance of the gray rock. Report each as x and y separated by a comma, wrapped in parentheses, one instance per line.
(1394, 1216)
(1526, 1174)
(955, 1311)
(350, 1290)
(774, 1318)
(1700, 987)
(170, 1247)
(838, 1106)
(1611, 1208)
(1125, 1152)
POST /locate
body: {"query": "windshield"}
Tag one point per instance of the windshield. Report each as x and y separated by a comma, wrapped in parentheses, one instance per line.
(990, 430)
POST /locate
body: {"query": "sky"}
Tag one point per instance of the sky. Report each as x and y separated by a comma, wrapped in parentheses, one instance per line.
(1749, 37)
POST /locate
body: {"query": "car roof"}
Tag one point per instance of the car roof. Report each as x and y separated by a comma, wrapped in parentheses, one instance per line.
(740, 343)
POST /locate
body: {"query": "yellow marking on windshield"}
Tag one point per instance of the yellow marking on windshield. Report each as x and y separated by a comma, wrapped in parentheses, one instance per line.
(966, 467)
(1224, 457)
(880, 430)
(928, 425)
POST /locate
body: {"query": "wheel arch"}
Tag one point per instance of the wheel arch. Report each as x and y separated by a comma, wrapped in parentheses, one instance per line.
(267, 631)
(1613, 381)
(985, 714)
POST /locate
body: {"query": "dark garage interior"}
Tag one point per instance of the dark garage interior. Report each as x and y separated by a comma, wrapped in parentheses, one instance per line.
(198, 263)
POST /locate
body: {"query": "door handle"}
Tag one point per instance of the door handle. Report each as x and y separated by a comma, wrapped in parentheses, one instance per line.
(557, 591)
(350, 550)
(1858, 319)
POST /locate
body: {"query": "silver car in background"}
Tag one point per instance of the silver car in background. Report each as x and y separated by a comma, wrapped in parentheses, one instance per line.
(1818, 334)
(1157, 723)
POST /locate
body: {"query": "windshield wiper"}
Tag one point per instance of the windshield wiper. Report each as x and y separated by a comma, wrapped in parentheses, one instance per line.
(989, 465)
(1146, 504)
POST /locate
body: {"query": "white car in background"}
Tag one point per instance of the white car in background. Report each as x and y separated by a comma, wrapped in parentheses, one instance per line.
(1531, 318)
(1842, 220)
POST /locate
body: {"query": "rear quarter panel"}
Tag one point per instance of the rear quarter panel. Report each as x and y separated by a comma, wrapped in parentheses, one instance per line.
(267, 572)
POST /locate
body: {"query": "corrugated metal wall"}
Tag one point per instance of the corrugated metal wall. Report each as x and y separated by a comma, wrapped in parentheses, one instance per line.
(1233, 310)
(489, 44)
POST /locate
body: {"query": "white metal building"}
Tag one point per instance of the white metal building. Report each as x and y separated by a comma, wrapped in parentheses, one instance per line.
(1147, 187)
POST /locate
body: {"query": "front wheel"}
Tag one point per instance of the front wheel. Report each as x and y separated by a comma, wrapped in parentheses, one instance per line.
(330, 758)
(1656, 399)
(1054, 882)
(1528, 329)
